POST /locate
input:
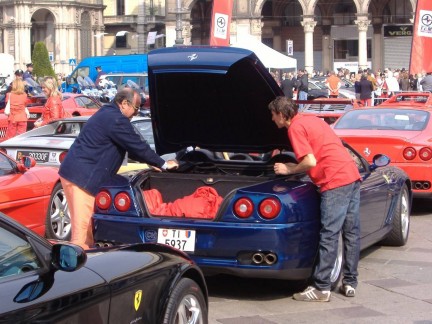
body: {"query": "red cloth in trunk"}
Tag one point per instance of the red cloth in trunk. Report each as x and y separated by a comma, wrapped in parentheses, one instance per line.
(203, 203)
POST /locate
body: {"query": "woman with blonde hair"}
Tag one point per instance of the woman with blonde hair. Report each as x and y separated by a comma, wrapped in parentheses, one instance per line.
(16, 109)
(53, 108)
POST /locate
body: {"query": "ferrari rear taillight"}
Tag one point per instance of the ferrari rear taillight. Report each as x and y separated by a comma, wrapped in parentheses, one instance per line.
(122, 201)
(409, 153)
(425, 154)
(270, 208)
(62, 156)
(103, 200)
(243, 207)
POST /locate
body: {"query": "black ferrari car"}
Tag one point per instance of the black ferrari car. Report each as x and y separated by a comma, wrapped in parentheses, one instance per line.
(44, 282)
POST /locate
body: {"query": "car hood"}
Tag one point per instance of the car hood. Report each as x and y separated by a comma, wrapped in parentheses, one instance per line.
(212, 97)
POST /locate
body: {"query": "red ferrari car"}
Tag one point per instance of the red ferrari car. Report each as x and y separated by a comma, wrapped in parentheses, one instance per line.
(33, 196)
(75, 104)
(413, 99)
(402, 131)
(329, 109)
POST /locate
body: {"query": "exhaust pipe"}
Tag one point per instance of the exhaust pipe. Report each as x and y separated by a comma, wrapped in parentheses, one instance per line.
(258, 258)
(418, 185)
(103, 244)
(426, 185)
(270, 258)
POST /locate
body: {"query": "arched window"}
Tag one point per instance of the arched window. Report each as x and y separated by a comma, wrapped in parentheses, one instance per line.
(344, 13)
(397, 12)
(294, 14)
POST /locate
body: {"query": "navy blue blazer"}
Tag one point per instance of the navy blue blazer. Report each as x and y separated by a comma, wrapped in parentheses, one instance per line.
(100, 148)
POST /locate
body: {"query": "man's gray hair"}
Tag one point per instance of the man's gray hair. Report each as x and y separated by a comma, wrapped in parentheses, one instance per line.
(127, 94)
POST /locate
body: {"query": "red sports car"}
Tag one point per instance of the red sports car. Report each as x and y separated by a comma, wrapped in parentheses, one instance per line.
(328, 109)
(413, 99)
(75, 104)
(401, 131)
(33, 196)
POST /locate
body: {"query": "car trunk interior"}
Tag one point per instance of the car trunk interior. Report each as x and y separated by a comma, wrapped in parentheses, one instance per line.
(203, 185)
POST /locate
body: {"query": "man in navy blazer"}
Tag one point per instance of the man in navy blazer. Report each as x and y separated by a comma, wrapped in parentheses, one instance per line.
(97, 154)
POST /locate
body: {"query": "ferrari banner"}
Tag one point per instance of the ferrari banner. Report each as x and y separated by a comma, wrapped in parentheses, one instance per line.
(220, 24)
(421, 59)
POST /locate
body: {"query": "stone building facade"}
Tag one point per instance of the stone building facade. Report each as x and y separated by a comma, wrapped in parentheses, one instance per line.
(325, 34)
(66, 27)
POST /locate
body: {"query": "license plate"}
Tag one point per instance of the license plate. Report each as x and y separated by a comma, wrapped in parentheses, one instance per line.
(34, 116)
(38, 156)
(180, 239)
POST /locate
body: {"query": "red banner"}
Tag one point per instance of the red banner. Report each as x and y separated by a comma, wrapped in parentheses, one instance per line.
(221, 20)
(421, 50)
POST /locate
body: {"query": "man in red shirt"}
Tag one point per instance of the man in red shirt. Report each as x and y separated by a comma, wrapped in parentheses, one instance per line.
(322, 155)
(333, 84)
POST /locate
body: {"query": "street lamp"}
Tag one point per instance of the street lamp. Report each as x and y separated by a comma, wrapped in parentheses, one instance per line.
(179, 25)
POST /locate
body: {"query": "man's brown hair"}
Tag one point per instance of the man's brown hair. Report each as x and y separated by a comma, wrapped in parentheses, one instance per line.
(286, 106)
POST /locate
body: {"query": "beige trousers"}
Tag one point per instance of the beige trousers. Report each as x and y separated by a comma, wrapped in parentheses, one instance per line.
(81, 205)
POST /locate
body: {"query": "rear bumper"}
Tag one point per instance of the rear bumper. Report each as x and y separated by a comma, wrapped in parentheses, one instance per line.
(421, 178)
(227, 247)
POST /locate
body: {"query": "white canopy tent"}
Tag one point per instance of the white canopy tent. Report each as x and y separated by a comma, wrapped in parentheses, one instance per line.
(269, 57)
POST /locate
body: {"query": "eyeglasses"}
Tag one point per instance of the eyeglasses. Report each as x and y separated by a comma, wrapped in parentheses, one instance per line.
(134, 107)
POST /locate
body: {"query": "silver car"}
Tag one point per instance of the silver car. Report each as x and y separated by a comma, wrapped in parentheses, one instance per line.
(49, 144)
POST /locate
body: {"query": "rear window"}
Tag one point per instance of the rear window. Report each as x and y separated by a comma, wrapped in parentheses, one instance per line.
(383, 119)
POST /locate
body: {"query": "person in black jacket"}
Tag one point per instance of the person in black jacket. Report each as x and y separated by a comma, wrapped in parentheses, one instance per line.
(96, 156)
(287, 86)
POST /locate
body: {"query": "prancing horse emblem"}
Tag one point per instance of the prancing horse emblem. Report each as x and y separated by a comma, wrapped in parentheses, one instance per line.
(137, 299)
(366, 151)
(192, 57)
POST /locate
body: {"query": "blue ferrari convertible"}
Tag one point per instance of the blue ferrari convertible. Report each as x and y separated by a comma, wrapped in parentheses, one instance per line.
(224, 205)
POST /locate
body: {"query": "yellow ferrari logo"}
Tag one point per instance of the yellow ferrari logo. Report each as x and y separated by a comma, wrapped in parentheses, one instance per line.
(137, 299)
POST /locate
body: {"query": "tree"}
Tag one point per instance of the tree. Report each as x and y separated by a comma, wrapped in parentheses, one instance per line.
(41, 63)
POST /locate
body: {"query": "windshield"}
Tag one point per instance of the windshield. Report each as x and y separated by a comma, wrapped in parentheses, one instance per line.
(393, 119)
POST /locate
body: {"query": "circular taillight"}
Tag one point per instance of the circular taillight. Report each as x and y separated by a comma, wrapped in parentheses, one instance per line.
(122, 201)
(425, 154)
(269, 208)
(62, 156)
(243, 207)
(103, 200)
(409, 153)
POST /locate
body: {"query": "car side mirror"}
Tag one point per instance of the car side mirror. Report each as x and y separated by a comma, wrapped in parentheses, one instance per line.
(25, 163)
(379, 160)
(67, 257)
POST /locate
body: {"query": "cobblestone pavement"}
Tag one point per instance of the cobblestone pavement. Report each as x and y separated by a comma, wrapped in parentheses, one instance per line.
(395, 286)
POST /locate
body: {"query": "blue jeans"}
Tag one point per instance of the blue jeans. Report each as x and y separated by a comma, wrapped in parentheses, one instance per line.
(302, 95)
(339, 212)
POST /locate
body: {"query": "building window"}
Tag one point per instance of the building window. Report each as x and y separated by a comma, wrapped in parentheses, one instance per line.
(293, 14)
(347, 50)
(345, 13)
(121, 41)
(120, 7)
(398, 12)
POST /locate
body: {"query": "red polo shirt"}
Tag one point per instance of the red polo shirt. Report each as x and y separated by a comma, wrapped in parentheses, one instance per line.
(335, 166)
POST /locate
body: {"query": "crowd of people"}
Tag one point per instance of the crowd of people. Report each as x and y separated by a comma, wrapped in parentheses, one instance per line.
(370, 86)
(17, 97)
